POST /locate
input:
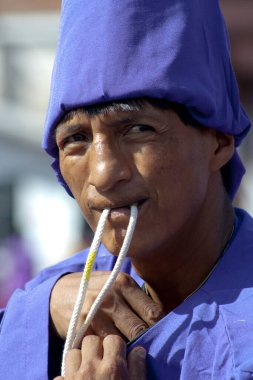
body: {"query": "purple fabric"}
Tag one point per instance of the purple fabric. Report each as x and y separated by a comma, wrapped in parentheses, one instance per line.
(209, 336)
(172, 49)
(16, 266)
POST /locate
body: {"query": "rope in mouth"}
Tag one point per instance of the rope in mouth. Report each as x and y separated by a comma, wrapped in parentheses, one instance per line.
(72, 340)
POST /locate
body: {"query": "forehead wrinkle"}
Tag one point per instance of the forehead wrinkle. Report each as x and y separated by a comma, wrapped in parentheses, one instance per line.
(120, 117)
(66, 120)
(115, 121)
(70, 128)
(69, 116)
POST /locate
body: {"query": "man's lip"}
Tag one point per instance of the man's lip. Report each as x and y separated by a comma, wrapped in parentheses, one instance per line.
(120, 206)
(122, 214)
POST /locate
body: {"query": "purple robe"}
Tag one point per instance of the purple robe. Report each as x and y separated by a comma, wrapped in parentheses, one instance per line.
(208, 336)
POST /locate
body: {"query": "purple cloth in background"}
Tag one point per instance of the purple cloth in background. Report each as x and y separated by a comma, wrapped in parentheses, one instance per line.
(173, 49)
(209, 336)
(15, 266)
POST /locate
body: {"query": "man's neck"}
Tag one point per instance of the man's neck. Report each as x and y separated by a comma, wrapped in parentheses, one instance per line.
(173, 275)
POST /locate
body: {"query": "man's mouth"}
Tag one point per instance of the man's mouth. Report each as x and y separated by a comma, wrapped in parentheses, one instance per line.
(121, 212)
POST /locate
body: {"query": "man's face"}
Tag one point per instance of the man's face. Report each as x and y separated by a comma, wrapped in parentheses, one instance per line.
(148, 157)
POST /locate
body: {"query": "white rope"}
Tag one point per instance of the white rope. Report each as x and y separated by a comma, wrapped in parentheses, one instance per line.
(83, 287)
(111, 279)
(76, 342)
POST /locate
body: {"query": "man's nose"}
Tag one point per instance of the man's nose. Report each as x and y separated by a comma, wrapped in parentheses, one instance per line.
(108, 165)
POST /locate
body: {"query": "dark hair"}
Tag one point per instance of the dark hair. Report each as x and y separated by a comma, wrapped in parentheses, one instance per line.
(133, 104)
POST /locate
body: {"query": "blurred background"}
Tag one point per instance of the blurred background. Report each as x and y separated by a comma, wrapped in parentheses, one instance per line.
(39, 223)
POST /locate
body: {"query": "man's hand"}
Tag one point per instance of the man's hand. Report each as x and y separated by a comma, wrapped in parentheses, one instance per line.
(105, 360)
(126, 311)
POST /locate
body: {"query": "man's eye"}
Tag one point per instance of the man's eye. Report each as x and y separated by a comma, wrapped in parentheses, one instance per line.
(75, 138)
(140, 128)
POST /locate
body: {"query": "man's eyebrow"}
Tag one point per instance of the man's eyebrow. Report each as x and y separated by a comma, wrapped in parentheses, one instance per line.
(127, 116)
(66, 120)
(68, 128)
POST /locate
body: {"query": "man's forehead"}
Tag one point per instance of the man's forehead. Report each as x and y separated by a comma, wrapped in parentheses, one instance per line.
(123, 111)
(109, 116)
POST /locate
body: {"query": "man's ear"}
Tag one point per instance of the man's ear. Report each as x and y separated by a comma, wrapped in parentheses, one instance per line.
(223, 151)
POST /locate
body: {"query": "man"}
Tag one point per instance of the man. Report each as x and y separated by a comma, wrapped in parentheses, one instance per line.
(144, 110)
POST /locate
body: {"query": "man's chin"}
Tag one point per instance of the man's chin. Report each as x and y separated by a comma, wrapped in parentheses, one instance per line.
(114, 241)
(112, 247)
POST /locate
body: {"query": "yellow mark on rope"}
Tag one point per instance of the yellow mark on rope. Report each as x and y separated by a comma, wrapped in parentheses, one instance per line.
(89, 265)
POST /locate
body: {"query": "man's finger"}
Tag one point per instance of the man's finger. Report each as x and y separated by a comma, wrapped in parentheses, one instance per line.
(137, 364)
(129, 324)
(125, 319)
(103, 325)
(73, 361)
(114, 346)
(140, 302)
(92, 348)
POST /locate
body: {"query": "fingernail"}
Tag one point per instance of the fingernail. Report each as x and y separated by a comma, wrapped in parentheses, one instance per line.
(140, 351)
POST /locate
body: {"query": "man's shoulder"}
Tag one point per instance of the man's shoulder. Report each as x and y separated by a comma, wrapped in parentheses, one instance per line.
(69, 265)
(76, 263)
